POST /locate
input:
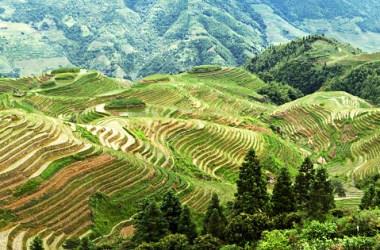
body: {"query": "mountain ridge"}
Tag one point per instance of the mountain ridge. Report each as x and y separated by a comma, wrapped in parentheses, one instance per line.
(157, 37)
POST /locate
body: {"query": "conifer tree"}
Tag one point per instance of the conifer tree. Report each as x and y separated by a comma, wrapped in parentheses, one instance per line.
(303, 182)
(368, 197)
(215, 226)
(171, 209)
(215, 204)
(37, 244)
(150, 224)
(187, 225)
(283, 198)
(321, 195)
(251, 196)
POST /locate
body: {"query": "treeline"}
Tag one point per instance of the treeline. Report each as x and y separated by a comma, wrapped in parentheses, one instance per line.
(294, 67)
(363, 81)
(300, 214)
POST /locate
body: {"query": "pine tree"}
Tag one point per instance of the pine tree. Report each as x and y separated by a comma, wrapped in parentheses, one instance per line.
(283, 198)
(150, 224)
(302, 183)
(171, 209)
(368, 197)
(37, 244)
(214, 204)
(321, 195)
(187, 225)
(215, 226)
(251, 196)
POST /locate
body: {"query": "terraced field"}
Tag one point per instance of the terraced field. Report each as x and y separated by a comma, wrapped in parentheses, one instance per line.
(69, 166)
(341, 129)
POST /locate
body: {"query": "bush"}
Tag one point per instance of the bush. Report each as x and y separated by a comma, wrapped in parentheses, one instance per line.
(319, 230)
(86, 134)
(206, 242)
(125, 103)
(204, 69)
(174, 242)
(157, 78)
(65, 70)
(363, 223)
(287, 221)
(48, 84)
(274, 240)
(65, 77)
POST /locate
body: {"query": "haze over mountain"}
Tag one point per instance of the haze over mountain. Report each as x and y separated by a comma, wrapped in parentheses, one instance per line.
(132, 39)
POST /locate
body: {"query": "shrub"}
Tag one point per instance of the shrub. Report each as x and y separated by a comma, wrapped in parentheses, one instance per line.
(48, 84)
(363, 223)
(65, 70)
(319, 230)
(65, 77)
(157, 78)
(204, 69)
(125, 103)
(86, 134)
(174, 242)
(206, 242)
(274, 240)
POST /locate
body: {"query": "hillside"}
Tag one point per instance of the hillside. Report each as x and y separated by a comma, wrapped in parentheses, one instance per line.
(79, 151)
(319, 63)
(132, 39)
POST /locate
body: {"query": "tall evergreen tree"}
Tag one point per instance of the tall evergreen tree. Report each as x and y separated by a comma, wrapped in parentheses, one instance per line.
(283, 198)
(187, 225)
(251, 196)
(368, 197)
(321, 195)
(171, 209)
(215, 204)
(215, 226)
(37, 244)
(303, 182)
(150, 224)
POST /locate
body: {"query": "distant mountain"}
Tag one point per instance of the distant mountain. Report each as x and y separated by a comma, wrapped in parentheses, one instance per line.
(131, 39)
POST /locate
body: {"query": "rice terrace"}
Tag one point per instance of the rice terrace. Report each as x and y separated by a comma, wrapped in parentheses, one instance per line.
(279, 149)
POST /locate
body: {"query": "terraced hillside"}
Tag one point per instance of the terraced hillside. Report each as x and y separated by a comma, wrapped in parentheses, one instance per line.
(341, 129)
(73, 164)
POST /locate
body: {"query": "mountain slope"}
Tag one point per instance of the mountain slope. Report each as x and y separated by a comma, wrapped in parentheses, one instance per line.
(132, 39)
(319, 63)
(80, 151)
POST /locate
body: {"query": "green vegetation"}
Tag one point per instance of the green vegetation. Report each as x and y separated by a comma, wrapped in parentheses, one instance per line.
(48, 84)
(125, 104)
(37, 244)
(257, 230)
(316, 63)
(191, 137)
(65, 77)
(204, 69)
(86, 134)
(157, 78)
(252, 193)
(65, 70)
(362, 81)
(53, 168)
